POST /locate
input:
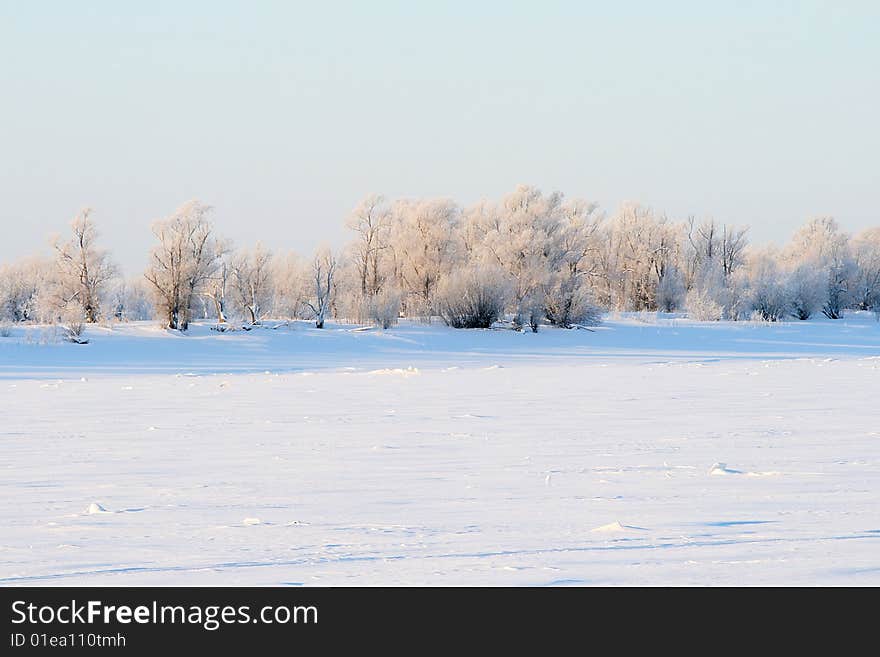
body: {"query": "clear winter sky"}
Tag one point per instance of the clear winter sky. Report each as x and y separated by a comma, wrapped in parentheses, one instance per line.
(283, 115)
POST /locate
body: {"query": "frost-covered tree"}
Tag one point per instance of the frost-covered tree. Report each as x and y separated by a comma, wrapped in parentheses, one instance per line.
(821, 245)
(701, 247)
(569, 253)
(734, 241)
(515, 236)
(128, 301)
(183, 263)
(866, 279)
(324, 266)
(424, 248)
(671, 290)
(549, 259)
(638, 251)
(706, 300)
(714, 296)
(82, 271)
(369, 261)
(546, 247)
(251, 282)
(767, 288)
(291, 286)
(23, 283)
(370, 221)
(216, 290)
(805, 291)
(712, 255)
(707, 241)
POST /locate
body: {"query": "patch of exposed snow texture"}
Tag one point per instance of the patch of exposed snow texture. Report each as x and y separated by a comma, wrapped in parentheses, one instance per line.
(616, 528)
(94, 508)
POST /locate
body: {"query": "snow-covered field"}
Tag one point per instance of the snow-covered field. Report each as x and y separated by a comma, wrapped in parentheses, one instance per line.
(649, 451)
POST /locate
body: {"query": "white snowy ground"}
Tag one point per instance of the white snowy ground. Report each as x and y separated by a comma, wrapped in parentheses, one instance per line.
(658, 452)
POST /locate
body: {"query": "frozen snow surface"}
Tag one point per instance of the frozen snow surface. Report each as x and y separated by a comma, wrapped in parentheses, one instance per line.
(651, 451)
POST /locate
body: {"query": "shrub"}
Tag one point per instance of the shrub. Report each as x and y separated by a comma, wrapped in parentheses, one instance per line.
(670, 291)
(768, 293)
(384, 308)
(768, 304)
(472, 298)
(805, 288)
(569, 303)
(702, 307)
(73, 332)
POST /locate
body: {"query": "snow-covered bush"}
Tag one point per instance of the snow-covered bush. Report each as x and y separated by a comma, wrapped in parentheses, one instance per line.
(768, 304)
(703, 307)
(838, 297)
(769, 301)
(671, 291)
(528, 311)
(723, 298)
(736, 298)
(384, 308)
(569, 302)
(473, 298)
(73, 332)
(804, 290)
(706, 298)
(821, 245)
(23, 288)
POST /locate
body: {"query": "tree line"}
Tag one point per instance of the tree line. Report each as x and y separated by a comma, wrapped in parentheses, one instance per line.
(528, 259)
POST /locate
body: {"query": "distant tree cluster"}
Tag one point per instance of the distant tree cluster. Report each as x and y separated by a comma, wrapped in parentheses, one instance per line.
(526, 260)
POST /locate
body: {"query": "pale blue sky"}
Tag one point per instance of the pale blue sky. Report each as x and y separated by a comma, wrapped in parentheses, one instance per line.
(283, 115)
